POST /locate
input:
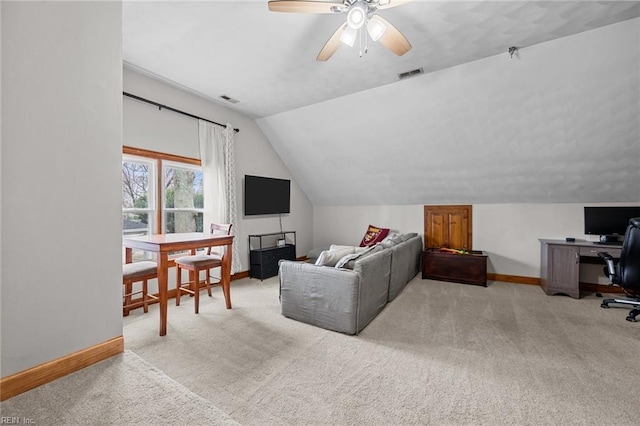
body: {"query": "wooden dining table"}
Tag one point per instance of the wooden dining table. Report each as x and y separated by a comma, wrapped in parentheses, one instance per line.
(163, 244)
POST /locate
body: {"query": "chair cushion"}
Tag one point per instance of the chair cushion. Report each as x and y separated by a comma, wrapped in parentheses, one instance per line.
(137, 269)
(200, 261)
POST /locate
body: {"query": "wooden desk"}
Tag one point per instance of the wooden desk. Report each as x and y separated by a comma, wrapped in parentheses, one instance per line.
(560, 264)
(162, 244)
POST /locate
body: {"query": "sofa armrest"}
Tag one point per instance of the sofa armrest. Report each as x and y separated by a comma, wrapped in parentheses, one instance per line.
(374, 272)
(405, 264)
(319, 295)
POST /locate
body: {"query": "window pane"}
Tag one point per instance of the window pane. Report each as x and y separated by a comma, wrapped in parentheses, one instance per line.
(138, 214)
(183, 199)
(183, 188)
(136, 223)
(183, 221)
(135, 185)
(133, 224)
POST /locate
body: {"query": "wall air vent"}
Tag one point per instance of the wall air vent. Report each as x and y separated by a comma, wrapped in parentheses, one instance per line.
(411, 73)
(228, 99)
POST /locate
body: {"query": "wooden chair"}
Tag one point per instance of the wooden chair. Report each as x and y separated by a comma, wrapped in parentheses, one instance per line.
(133, 273)
(196, 263)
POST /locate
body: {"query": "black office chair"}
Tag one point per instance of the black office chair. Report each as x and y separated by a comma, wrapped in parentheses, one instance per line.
(626, 273)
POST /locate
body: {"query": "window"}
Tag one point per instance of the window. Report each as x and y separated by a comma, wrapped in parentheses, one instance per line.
(183, 198)
(161, 193)
(138, 200)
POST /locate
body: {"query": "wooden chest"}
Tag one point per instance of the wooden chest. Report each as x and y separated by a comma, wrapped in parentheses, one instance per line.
(460, 268)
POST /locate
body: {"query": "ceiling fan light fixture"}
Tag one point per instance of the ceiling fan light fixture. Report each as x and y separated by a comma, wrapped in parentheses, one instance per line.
(375, 28)
(357, 15)
(348, 36)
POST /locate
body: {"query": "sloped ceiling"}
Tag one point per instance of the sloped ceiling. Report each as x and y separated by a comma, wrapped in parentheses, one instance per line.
(558, 122)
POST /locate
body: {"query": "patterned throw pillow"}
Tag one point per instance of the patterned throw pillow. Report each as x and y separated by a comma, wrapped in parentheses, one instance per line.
(373, 235)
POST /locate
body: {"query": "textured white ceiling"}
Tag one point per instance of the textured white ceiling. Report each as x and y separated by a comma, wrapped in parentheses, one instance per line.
(266, 60)
(559, 124)
(554, 124)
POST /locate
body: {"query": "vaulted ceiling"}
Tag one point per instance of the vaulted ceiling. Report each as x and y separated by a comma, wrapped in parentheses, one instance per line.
(479, 126)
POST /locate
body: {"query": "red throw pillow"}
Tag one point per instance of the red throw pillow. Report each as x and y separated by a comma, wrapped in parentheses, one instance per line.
(373, 235)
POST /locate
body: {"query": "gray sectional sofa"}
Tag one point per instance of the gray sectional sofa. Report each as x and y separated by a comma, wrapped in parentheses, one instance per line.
(346, 298)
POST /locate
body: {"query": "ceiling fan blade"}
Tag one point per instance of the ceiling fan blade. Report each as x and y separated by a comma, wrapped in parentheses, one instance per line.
(391, 3)
(303, 6)
(393, 39)
(332, 44)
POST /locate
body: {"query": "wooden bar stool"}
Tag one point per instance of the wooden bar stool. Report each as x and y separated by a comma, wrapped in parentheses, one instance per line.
(133, 273)
(196, 263)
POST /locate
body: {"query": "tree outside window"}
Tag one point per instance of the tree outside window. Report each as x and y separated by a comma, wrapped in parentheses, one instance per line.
(152, 205)
(183, 199)
(137, 197)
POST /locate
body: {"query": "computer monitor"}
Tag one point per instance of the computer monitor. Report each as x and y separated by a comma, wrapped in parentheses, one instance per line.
(608, 221)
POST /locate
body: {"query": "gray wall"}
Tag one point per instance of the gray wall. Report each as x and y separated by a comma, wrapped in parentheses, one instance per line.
(61, 150)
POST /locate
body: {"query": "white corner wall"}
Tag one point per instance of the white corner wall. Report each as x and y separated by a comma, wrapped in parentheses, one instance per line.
(165, 131)
(347, 224)
(61, 153)
(508, 233)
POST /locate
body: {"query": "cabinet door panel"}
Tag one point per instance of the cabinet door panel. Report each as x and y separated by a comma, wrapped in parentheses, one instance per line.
(437, 224)
(564, 267)
(448, 226)
(458, 231)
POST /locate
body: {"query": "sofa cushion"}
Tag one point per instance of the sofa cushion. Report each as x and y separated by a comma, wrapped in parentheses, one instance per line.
(408, 236)
(313, 255)
(391, 240)
(349, 261)
(373, 235)
(331, 257)
(334, 247)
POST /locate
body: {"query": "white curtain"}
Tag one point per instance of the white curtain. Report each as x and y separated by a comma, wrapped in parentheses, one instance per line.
(217, 153)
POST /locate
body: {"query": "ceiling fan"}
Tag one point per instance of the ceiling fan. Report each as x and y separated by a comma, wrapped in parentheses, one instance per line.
(361, 14)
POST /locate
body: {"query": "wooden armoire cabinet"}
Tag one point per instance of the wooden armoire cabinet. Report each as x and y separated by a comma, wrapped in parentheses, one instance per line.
(448, 226)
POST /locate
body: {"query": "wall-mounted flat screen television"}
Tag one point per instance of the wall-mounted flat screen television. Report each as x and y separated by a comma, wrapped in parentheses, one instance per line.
(608, 220)
(266, 195)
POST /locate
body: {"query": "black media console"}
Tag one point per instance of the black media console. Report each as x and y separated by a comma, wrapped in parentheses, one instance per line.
(266, 250)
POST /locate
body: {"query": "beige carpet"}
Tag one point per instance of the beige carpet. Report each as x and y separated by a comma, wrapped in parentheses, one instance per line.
(441, 353)
(123, 390)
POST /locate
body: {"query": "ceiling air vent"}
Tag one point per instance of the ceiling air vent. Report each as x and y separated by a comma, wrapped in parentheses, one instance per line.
(411, 73)
(228, 99)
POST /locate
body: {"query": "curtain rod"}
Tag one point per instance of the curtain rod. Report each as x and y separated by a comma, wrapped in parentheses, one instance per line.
(160, 106)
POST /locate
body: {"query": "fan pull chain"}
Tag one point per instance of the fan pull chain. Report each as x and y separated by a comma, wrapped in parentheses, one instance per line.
(366, 39)
(363, 40)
